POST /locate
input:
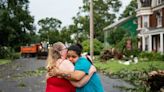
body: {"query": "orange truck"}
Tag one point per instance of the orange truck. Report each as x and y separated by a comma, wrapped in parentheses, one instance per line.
(34, 50)
(29, 51)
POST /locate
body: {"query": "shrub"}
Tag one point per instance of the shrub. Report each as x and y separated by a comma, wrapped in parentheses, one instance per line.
(4, 52)
(15, 55)
(8, 53)
(153, 56)
(162, 57)
(97, 46)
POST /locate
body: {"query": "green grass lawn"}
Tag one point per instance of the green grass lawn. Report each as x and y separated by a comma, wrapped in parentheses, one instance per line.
(113, 66)
(135, 74)
(4, 61)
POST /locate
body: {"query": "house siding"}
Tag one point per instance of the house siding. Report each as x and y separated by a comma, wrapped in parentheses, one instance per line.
(141, 21)
(162, 17)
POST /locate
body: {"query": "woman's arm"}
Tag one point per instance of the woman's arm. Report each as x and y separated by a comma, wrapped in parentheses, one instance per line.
(82, 82)
(66, 72)
(70, 75)
(85, 79)
(74, 76)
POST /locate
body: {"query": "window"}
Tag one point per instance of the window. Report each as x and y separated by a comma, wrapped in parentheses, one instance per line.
(139, 22)
(159, 18)
(159, 2)
(145, 21)
(145, 3)
(159, 21)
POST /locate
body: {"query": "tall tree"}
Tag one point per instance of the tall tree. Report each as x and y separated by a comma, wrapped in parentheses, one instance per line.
(49, 30)
(65, 35)
(103, 15)
(16, 23)
(130, 9)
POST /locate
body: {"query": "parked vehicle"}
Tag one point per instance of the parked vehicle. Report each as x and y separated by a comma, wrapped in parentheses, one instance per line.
(34, 50)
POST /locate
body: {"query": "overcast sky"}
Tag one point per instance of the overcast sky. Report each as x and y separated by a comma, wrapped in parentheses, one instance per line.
(63, 10)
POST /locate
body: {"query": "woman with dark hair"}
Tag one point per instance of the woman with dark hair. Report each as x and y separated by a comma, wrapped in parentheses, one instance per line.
(82, 66)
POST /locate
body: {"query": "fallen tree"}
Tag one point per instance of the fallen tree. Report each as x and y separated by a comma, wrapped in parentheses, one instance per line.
(156, 80)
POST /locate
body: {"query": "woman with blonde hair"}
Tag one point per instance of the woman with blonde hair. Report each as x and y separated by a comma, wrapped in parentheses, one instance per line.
(57, 61)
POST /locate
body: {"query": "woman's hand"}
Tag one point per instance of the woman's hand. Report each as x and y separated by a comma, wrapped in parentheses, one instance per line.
(92, 69)
(47, 76)
(53, 71)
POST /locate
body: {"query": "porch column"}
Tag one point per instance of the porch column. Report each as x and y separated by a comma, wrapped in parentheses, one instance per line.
(150, 43)
(153, 3)
(161, 42)
(143, 43)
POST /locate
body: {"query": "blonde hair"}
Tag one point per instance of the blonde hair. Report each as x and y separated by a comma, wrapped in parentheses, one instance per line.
(54, 54)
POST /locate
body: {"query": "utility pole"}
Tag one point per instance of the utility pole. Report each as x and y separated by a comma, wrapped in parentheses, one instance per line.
(91, 29)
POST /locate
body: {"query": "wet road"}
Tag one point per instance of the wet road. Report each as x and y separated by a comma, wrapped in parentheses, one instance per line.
(26, 75)
(19, 76)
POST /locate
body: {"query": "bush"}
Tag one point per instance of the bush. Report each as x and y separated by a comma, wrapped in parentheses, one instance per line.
(120, 46)
(8, 53)
(153, 56)
(98, 46)
(4, 52)
(15, 56)
(162, 57)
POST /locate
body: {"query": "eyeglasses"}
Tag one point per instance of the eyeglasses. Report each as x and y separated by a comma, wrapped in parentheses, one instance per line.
(73, 56)
(63, 49)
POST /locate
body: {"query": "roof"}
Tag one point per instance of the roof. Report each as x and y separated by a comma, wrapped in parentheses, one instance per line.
(119, 22)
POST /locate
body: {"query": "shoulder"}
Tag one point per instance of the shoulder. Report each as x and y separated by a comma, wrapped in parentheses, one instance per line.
(82, 61)
(82, 64)
(67, 62)
(67, 65)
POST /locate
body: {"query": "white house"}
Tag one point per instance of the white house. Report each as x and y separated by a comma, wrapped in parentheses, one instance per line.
(150, 14)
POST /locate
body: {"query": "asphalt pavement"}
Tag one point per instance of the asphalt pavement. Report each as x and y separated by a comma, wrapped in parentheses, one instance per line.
(28, 75)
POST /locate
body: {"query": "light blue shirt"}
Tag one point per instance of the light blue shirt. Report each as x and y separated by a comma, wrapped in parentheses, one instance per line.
(94, 84)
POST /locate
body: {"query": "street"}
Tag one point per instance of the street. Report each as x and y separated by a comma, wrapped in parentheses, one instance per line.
(27, 75)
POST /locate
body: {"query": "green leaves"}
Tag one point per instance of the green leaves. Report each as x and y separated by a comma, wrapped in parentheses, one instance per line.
(130, 9)
(102, 13)
(15, 21)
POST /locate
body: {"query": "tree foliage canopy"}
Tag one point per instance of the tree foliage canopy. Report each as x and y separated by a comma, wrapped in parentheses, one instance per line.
(130, 9)
(103, 11)
(16, 23)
